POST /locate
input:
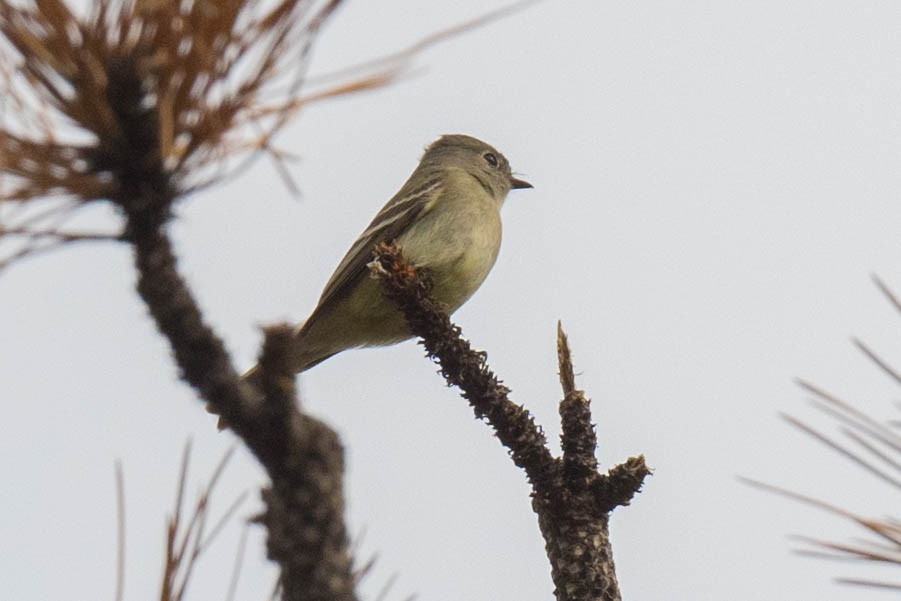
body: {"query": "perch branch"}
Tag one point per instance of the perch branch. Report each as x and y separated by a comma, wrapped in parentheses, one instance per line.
(464, 367)
(571, 498)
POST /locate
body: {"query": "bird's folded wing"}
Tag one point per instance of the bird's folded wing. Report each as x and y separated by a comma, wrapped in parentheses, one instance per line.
(394, 218)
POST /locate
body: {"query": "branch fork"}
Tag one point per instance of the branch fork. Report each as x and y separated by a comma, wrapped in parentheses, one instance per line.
(572, 498)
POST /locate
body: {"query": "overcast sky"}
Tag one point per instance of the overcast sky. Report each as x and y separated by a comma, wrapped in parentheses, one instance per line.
(714, 184)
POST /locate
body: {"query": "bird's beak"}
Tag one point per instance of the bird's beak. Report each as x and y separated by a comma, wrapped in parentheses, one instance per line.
(518, 184)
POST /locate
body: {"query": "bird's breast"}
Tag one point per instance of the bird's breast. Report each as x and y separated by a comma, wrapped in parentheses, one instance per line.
(458, 243)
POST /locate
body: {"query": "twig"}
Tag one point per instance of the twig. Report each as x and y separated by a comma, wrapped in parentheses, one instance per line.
(880, 446)
(879, 361)
(186, 540)
(236, 568)
(892, 586)
(120, 533)
(392, 63)
(167, 589)
(577, 439)
(829, 442)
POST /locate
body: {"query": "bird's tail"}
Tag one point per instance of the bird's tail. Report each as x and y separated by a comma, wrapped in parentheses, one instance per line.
(252, 377)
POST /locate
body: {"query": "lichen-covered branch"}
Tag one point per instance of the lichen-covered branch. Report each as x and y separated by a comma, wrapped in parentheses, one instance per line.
(572, 498)
(463, 367)
(303, 457)
(145, 85)
(305, 503)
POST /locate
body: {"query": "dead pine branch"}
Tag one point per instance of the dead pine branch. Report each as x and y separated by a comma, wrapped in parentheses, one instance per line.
(871, 444)
(572, 498)
(137, 105)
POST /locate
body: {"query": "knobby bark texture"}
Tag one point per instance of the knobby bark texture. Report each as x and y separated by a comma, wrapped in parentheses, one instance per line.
(137, 104)
(302, 456)
(145, 82)
(571, 497)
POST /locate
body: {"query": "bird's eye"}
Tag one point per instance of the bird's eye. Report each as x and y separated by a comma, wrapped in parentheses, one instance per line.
(491, 158)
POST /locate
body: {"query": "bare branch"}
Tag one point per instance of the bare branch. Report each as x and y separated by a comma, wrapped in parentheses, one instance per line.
(463, 367)
(571, 498)
(136, 105)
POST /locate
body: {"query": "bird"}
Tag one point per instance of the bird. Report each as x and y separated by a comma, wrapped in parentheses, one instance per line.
(445, 218)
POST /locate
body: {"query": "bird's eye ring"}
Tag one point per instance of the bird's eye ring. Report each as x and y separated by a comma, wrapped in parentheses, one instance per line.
(491, 158)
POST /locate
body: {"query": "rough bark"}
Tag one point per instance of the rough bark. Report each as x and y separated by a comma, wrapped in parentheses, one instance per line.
(303, 457)
(572, 498)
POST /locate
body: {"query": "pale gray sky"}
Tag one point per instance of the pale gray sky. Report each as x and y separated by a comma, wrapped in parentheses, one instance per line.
(714, 183)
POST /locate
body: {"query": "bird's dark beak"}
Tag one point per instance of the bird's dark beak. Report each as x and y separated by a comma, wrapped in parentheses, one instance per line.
(518, 184)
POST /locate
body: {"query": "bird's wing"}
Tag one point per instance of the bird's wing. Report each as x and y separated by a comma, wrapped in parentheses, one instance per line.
(394, 218)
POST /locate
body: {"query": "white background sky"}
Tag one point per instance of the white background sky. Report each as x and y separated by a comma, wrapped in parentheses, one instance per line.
(714, 183)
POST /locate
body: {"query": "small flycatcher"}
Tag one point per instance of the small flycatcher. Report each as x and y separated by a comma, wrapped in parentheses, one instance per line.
(445, 218)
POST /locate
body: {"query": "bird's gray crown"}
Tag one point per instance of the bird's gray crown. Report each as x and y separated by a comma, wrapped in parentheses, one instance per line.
(478, 158)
